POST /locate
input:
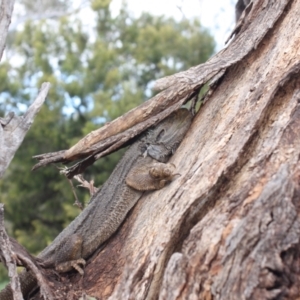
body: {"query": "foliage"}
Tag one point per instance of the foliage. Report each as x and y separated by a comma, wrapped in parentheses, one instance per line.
(97, 74)
(3, 284)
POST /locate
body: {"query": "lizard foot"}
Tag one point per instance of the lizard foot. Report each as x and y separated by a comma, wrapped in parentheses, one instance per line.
(70, 265)
(151, 175)
(162, 171)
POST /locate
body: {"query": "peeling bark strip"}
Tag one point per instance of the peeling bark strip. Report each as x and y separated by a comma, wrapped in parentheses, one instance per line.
(178, 89)
(100, 149)
(229, 226)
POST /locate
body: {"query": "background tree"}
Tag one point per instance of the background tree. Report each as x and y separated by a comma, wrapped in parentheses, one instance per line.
(96, 75)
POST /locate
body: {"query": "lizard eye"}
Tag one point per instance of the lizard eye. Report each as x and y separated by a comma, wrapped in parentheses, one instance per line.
(160, 135)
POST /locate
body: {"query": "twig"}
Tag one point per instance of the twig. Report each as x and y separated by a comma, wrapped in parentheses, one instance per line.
(77, 202)
(86, 184)
(13, 254)
(45, 289)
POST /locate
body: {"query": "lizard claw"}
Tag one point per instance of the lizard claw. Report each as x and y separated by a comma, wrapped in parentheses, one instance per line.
(69, 265)
(76, 266)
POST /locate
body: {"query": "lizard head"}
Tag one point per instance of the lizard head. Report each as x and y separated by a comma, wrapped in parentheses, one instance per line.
(168, 134)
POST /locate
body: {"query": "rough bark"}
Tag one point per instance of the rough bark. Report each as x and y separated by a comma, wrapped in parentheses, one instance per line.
(229, 226)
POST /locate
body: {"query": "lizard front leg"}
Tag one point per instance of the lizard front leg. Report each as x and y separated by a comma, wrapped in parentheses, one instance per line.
(150, 175)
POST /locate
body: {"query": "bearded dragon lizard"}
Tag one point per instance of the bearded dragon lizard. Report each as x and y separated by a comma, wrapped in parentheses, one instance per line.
(141, 168)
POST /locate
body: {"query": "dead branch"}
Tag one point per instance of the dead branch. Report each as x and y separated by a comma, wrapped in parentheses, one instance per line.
(86, 184)
(91, 152)
(15, 128)
(37, 270)
(8, 258)
(12, 254)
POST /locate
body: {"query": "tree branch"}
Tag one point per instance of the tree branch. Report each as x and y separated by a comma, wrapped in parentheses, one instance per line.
(14, 129)
(6, 9)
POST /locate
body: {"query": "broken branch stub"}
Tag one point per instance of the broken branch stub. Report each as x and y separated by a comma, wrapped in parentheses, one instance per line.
(13, 131)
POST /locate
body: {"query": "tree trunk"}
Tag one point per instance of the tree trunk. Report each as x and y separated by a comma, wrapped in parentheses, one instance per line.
(229, 226)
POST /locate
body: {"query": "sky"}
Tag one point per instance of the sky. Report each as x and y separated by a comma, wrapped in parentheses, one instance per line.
(217, 15)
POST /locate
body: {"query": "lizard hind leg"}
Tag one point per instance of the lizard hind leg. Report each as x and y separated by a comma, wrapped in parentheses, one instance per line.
(70, 255)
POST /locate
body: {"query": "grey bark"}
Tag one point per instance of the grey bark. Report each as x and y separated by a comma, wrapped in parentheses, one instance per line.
(6, 9)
